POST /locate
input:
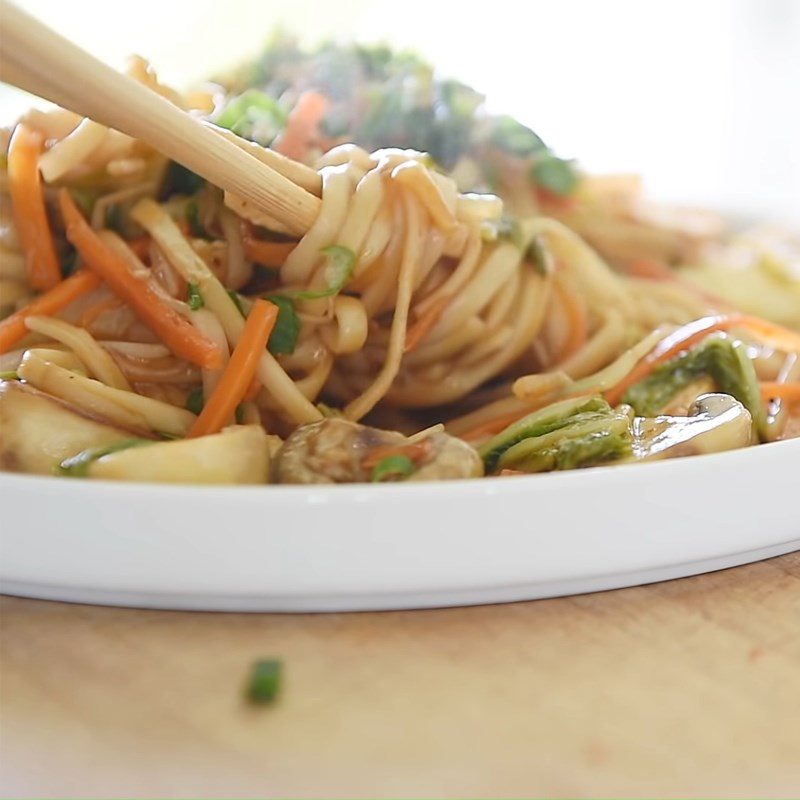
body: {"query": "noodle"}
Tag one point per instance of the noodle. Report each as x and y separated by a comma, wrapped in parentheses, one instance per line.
(407, 300)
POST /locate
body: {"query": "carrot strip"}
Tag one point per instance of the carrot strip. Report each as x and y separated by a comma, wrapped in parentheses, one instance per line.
(240, 371)
(577, 321)
(415, 451)
(142, 295)
(784, 391)
(425, 323)
(13, 328)
(30, 214)
(302, 126)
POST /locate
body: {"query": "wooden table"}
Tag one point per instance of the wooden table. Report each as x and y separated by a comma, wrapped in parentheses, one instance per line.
(686, 688)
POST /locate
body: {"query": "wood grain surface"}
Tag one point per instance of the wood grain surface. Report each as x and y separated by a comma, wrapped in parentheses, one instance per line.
(689, 688)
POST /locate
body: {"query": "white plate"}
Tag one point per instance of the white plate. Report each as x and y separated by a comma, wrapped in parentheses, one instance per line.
(399, 546)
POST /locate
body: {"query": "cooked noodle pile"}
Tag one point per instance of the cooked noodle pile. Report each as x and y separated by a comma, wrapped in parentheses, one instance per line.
(141, 297)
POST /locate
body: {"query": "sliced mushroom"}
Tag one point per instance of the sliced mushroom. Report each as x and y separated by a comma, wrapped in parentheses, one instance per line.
(37, 431)
(716, 422)
(236, 455)
(338, 451)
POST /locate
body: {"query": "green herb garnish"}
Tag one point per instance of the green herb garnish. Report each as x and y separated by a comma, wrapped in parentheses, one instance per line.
(253, 115)
(265, 681)
(392, 468)
(193, 298)
(556, 174)
(195, 400)
(283, 338)
(193, 220)
(77, 466)
(340, 266)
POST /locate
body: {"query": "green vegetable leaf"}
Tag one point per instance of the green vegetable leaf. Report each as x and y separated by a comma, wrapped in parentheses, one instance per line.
(540, 423)
(283, 338)
(195, 400)
(340, 266)
(724, 360)
(607, 439)
(194, 299)
(253, 115)
(265, 681)
(9, 375)
(514, 137)
(392, 468)
(78, 465)
(556, 174)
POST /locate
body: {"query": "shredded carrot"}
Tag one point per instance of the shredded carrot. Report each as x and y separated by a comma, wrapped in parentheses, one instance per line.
(240, 371)
(577, 321)
(784, 391)
(13, 328)
(416, 451)
(95, 310)
(425, 323)
(302, 126)
(269, 254)
(143, 295)
(30, 214)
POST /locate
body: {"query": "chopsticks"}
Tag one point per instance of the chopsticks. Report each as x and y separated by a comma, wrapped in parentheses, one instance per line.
(37, 59)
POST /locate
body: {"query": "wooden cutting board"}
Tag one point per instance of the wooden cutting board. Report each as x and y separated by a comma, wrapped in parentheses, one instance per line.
(682, 689)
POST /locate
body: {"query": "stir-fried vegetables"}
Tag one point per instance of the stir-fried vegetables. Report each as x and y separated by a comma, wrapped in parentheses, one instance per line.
(239, 372)
(724, 360)
(139, 291)
(13, 327)
(566, 435)
(377, 98)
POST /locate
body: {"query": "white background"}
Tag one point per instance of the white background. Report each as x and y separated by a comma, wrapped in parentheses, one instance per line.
(702, 96)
